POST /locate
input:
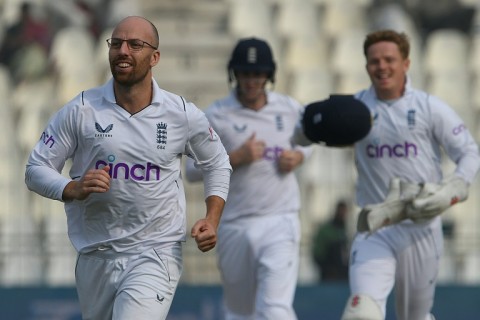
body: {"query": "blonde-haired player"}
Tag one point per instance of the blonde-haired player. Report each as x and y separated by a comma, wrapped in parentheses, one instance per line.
(401, 186)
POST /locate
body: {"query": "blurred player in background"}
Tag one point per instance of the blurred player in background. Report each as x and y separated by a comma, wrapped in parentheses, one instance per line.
(259, 234)
(331, 244)
(125, 201)
(401, 187)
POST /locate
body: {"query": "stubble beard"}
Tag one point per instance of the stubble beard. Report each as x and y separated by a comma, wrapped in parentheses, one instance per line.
(129, 80)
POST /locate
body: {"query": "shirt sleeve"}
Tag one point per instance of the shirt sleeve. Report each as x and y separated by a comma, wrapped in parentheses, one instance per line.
(192, 173)
(209, 155)
(450, 130)
(46, 161)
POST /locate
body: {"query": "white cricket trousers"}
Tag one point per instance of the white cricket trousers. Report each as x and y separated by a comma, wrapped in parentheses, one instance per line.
(405, 256)
(122, 286)
(258, 259)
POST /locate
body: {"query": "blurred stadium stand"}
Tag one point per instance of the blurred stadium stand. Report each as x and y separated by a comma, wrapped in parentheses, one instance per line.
(196, 38)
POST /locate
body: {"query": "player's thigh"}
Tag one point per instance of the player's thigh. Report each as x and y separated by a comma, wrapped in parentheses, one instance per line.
(148, 285)
(278, 257)
(372, 268)
(235, 255)
(278, 269)
(277, 281)
(236, 263)
(95, 286)
(417, 272)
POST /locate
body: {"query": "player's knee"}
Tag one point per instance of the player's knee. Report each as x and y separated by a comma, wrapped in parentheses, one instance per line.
(362, 307)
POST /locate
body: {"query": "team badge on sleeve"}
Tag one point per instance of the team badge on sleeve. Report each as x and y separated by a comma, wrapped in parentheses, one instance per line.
(213, 134)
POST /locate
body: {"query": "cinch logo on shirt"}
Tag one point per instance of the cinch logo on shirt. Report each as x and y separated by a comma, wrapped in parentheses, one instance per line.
(399, 150)
(272, 153)
(47, 139)
(137, 172)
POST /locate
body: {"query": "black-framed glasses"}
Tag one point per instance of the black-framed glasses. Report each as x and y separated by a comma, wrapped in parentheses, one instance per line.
(133, 44)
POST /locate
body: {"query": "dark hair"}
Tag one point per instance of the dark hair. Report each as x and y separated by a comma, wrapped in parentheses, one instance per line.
(398, 38)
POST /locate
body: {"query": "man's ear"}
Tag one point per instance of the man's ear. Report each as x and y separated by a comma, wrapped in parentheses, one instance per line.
(155, 58)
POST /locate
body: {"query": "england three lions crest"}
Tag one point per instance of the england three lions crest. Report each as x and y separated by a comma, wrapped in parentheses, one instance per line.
(161, 137)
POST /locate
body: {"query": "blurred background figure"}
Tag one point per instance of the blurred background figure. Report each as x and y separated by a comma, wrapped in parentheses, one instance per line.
(259, 234)
(330, 245)
(24, 49)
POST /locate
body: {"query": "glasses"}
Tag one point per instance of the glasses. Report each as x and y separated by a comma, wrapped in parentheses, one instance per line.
(133, 44)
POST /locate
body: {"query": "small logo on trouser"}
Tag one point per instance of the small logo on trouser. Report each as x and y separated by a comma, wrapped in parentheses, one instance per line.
(160, 299)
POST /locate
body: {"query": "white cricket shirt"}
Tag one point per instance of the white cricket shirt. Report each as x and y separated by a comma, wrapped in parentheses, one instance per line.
(145, 205)
(406, 140)
(259, 188)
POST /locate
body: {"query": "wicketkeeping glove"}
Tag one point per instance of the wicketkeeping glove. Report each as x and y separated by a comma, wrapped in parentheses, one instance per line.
(433, 199)
(392, 210)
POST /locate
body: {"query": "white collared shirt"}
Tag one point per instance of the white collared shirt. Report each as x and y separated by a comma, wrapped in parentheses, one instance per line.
(145, 205)
(406, 141)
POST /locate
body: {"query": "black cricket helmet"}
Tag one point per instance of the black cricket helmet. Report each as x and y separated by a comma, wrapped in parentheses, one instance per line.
(252, 55)
(340, 120)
